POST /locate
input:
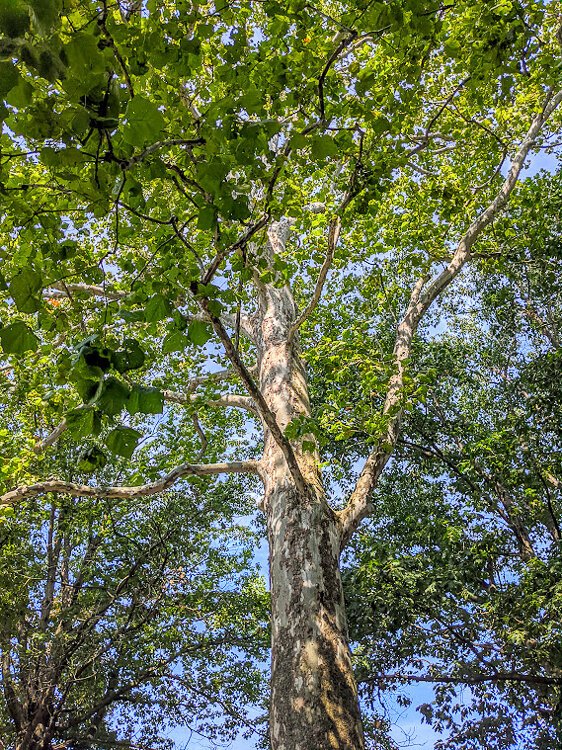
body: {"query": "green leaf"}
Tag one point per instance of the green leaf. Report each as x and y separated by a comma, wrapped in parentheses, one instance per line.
(123, 441)
(18, 338)
(144, 122)
(174, 342)
(82, 423)
(9, 77)
(131, 357)
(14, 18)
(87, 379)
(380, 124)
(323, 146)
(23, 289)
(207, 218)
(45, 13)
(20, 95)
(113, 397)
(84, 56)
(94, 458)
(157, 308)
(199, 332)
(146, 400)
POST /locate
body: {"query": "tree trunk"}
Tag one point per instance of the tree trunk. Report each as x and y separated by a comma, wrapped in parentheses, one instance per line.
(36, 736)
(314, 703)
(314, 696)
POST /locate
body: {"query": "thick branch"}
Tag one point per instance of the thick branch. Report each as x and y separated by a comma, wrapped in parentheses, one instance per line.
(358, 506)
(462, 253)
(52, 437)
(421, 299)
(123, 493)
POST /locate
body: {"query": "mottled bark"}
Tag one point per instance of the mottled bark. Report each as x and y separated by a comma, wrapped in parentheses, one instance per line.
(314, 702)
(314, 695)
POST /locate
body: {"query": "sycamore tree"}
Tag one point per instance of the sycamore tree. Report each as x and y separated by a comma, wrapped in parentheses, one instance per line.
(180, 182)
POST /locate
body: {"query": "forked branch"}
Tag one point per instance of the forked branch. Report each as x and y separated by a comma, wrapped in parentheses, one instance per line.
(267, 416)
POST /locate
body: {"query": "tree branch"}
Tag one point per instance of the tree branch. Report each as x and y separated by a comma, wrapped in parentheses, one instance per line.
(61, 289)
(261, 405)
(421, 298)
(226, 400)
(119, 493)
(333, 237)
(472, 680)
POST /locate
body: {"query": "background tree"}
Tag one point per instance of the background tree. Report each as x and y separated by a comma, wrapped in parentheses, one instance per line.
(123, 619)
(181, 180)
(461, 562)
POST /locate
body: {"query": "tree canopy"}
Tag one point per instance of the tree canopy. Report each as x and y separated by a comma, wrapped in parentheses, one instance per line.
(200, 201)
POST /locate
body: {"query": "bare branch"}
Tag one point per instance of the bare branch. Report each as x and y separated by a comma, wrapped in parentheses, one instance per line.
(421, 299)
(125, 493)
(358, 506)
(261, 405)
(61, 289)
(333, 237)
(189, 142)
(462, 253)
(52, 438)
(226, 400)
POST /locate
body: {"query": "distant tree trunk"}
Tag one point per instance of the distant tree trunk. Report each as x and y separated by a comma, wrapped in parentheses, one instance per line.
(36, 735)
(314, 703)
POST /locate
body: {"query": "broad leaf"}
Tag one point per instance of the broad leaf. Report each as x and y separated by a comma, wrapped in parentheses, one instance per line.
(18, 338)
(23, 288)
(146, 400)
(123, 441)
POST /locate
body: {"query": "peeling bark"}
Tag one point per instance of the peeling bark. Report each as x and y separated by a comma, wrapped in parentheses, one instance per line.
(314, 694)
(314, 702)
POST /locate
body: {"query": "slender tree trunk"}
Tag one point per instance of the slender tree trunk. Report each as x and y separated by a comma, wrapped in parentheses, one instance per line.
(314, 703)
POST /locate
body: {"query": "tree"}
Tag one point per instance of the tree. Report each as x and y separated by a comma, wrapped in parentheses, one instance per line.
(472, 546)
(182, 180)
(121, 618)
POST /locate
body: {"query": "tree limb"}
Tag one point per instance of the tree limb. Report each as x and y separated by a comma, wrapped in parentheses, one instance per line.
(261, 405)
(226, 400)
(333, 237)
(61, 289)
(421, 298)
(119, 493)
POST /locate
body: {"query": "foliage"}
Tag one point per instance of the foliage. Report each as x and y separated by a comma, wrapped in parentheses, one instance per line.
(122, 618)
(460, 569)
(145, 149)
